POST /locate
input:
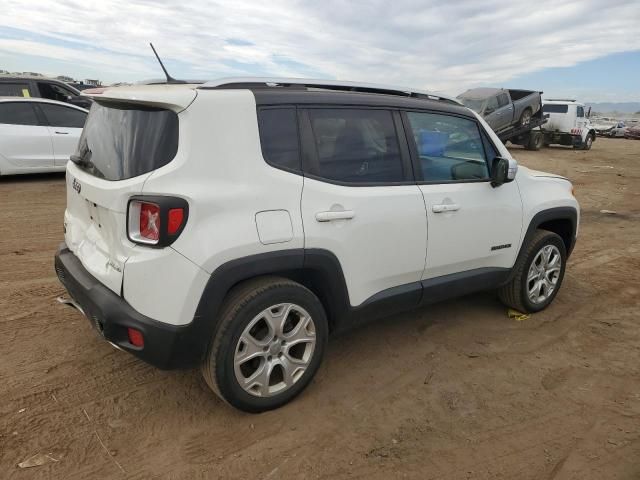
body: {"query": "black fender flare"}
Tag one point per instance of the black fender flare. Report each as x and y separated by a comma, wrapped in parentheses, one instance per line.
(556, 213)
(309, 267)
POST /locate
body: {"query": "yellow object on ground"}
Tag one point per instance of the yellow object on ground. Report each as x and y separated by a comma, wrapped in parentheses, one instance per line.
(517, 316)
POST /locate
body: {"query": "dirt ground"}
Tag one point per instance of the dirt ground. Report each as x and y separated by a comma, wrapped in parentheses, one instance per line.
(454, 391)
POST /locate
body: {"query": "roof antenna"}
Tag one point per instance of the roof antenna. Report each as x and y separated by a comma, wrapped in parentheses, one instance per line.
(170, 79)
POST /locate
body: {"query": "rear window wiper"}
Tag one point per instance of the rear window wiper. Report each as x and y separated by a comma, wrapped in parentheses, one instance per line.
(80, 161)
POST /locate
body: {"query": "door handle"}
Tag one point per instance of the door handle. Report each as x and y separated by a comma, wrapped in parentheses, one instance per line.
(446, 207)
(331, 215)
(62, 133)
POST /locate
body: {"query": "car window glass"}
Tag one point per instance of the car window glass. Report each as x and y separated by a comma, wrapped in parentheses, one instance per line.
(52, 91)
(580, 112)
(17, 113)
(59, 116)
(490, 151)
(355, 146)
(279, 137)
(14, 90)
(124, 141)
(449, 148)
(555, 108)
(492, 103)
(503, 99)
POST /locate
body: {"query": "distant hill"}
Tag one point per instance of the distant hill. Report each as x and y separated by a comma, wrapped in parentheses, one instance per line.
(622, 107)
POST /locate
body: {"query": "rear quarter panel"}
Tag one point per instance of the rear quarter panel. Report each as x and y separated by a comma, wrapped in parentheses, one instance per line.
(224, 178)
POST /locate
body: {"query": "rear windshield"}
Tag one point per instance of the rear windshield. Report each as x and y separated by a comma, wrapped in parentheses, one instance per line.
(555, 108)
(124, 141)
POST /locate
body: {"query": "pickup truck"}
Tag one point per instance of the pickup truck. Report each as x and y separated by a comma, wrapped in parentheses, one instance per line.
(503, 108)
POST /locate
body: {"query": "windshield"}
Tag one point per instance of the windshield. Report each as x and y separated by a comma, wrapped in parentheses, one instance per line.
(124, 141)
(473, 103)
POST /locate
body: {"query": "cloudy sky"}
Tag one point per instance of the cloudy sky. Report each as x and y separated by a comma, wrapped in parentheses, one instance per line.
(588, 49)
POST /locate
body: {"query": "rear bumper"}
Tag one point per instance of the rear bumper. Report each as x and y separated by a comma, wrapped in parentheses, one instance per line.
(165, 346)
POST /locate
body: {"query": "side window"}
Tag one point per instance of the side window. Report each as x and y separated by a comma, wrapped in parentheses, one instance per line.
(18, 113)
(449, 148)
(355, 145)
(14, 90)
(279, 137)
(503, 100)
(59, 116)
(492, 104)
(53, 91)
(580, 112)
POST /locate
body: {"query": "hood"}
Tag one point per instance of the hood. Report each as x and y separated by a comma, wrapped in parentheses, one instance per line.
(539, 174)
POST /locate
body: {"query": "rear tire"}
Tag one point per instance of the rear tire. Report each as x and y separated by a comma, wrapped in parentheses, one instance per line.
(534, 283)
(268, 346)
(536, 141)
(525, 118)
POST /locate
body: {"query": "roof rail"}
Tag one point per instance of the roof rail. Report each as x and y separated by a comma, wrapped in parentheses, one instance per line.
(256, 82)
(559, 100)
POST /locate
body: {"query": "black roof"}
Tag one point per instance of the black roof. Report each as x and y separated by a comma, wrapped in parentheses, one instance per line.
(302, 96)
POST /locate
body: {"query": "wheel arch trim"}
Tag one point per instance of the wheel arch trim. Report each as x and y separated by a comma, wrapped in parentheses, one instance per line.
(310, 267)
(544, 216)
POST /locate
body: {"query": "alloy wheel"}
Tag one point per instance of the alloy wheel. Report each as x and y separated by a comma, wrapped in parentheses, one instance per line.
(274, 350)
(544, 273)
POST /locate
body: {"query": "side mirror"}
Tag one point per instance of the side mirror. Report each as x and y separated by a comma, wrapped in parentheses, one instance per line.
(503, 170)
(488, 110)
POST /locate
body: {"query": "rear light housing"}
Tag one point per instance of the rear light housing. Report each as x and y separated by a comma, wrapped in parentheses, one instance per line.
(156, 221)
(136, 338)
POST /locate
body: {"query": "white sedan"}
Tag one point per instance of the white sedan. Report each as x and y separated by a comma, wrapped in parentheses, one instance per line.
(37, 135)
(618, 130)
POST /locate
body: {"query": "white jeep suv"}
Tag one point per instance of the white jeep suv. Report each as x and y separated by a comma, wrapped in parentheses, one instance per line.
(236, 224)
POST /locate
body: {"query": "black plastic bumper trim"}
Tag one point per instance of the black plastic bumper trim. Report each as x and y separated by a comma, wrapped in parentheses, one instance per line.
(165, 346)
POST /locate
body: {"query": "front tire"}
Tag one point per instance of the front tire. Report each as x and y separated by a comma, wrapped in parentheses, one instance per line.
(269, 345)
(538, 274)
(588, 142)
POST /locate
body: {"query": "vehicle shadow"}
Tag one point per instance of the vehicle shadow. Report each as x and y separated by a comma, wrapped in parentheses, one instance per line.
(32, 177)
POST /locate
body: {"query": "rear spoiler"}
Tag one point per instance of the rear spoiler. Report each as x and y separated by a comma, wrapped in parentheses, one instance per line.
(173, 97)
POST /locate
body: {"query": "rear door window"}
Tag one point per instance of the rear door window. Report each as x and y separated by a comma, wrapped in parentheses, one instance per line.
(18, 89)
(59, 116)
(279, 137)
(18, 113)
(355, 146)
(448, 148)
(121, 141)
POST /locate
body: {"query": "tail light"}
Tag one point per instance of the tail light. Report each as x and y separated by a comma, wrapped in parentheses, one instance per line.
(156, 221)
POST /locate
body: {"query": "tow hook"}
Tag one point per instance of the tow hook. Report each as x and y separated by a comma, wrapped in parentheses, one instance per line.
(71, 303)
